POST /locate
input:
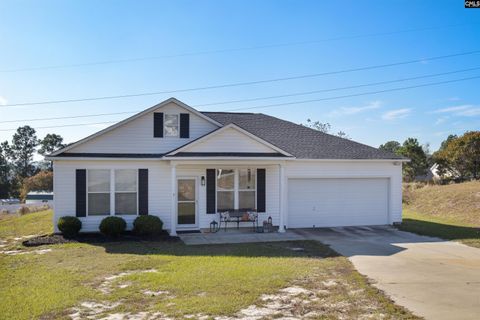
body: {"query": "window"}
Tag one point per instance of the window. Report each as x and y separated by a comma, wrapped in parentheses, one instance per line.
(112, 192)
(236, 189)
(125, 192)
(98, 192)
(246, 189)
(225, 189)
(171, 125)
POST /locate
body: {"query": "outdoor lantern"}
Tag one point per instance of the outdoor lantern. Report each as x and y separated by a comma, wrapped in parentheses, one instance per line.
(202, 180)
(270, 220)
(213, 226)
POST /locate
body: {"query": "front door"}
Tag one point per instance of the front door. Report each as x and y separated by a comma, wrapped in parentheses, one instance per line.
(187, 202)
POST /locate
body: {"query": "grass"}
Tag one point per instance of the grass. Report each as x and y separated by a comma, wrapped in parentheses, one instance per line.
(445, 228)
(212, 280)
(446, 211)
(13, 225)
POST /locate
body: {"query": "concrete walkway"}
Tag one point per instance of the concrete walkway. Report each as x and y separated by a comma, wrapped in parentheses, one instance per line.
(433, 278)
(237, 236)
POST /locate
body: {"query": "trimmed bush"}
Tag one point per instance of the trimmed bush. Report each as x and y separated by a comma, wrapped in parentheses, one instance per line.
(112, 226)
(147, 225)
(69, 226)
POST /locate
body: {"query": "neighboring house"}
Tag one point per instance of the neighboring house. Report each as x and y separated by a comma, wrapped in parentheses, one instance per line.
(185, 166)
(39, 197)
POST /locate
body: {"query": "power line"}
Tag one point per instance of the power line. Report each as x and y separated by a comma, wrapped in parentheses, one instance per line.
(290, 103)
(67, 125)
(246, 83)
(206, 52)
(355, 94)
(258, 98)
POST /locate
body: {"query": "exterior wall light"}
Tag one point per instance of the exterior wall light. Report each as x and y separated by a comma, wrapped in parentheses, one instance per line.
(202, 181)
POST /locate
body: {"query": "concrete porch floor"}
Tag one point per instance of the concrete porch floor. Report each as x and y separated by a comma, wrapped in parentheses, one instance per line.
(242, 235)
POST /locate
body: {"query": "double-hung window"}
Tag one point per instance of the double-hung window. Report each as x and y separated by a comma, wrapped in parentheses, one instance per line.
(225, 189)
(236, 189)
(125, 192)
(171, 125)
(246, 189)
(98, 192)
(112, 192)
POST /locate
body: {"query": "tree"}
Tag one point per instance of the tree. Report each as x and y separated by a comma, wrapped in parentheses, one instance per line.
(21, 151)
(319, 126)
(49, 144)
(42, 181)
(4, 175)
(460, 156)
(418, 164)
(390, 146)
(324, 127)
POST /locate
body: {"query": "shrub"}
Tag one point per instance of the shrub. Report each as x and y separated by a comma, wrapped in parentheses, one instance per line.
(69, 226)
(147, 225)
(112, 226)
(23, 210)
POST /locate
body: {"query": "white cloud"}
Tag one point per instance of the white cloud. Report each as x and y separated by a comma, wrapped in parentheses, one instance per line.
(453, 109)
(441, 120)
(396, 114)
(3, 101)
(466, 110)
(354, 110)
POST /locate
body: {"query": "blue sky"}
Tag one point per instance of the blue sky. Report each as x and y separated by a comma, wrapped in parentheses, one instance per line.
(192, 41)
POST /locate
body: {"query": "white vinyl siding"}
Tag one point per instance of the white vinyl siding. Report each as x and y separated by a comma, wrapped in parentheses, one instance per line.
(160, 191)
(230, 140)
(137, 136)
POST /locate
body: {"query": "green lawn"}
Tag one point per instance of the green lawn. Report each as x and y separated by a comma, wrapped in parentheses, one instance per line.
(188, 280)
(442, 227)
(12, 225)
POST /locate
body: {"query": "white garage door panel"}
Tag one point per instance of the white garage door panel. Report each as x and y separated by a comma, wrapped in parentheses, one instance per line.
(337, 202)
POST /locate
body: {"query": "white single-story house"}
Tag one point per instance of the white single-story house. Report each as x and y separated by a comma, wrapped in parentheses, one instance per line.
(186, 166)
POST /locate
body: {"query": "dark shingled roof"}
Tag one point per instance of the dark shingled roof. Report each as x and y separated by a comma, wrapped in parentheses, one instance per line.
(228, 154)
(300, 141)
(111, 155)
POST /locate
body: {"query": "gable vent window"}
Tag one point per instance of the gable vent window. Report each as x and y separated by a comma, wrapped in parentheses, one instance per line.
(171, 125)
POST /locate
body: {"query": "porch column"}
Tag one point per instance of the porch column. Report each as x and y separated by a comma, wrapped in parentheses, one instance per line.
(173, 216)
(281, 191)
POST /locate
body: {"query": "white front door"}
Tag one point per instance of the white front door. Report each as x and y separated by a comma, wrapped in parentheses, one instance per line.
(187, 203)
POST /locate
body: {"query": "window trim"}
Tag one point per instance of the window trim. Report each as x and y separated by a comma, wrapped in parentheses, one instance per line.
(178, 125)
(236, 187)
(112, 193)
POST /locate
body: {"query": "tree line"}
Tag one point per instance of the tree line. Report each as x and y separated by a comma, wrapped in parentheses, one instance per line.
(19, 173)
(457, 159)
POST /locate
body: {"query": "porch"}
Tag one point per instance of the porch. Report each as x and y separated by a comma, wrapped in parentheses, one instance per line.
(242, 235)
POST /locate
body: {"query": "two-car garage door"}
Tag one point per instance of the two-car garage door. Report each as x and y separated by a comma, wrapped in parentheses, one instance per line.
(337, 202)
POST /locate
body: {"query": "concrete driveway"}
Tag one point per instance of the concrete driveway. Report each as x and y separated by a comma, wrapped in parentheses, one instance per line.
(433, 278)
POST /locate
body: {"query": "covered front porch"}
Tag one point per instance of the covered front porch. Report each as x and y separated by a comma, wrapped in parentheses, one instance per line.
(203, 188)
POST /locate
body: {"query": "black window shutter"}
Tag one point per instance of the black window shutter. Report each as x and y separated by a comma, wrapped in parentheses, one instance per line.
(81, 192)
(158, 124)
(261, 206)
(184, 125)
(211, 180)
(143, 191)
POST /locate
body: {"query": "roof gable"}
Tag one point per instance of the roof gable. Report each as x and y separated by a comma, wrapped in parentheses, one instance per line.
(138, 127)
(229, 139)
